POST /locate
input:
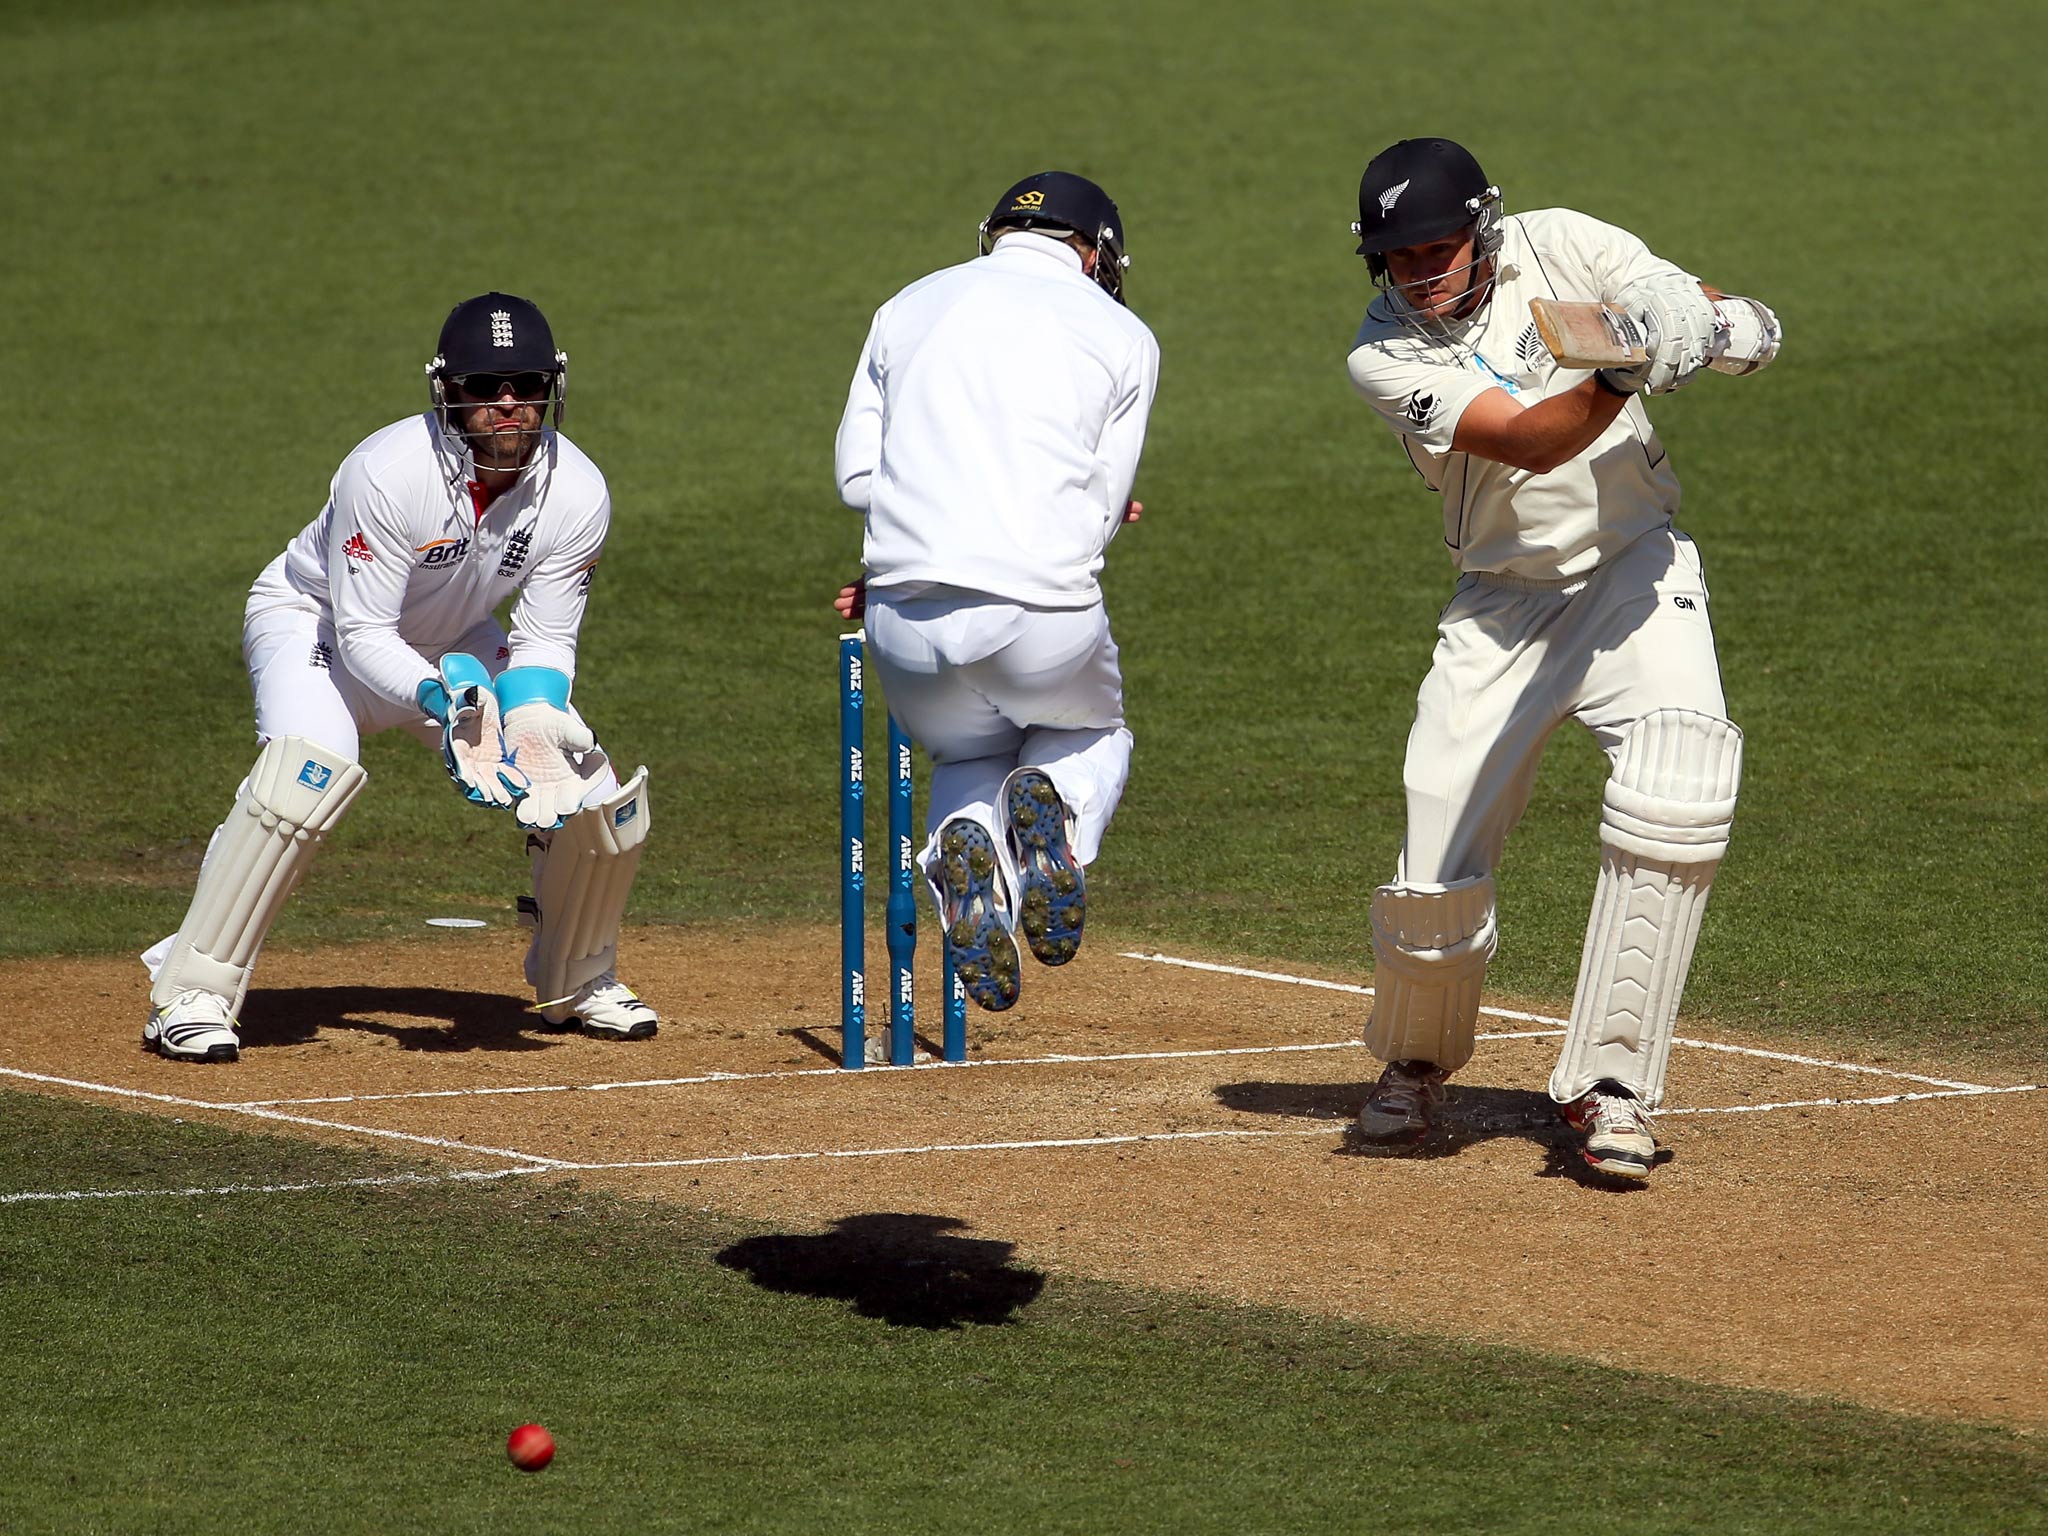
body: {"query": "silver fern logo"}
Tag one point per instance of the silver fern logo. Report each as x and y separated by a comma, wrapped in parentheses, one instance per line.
(501, 328)
(1392, 196)
(1530, 351)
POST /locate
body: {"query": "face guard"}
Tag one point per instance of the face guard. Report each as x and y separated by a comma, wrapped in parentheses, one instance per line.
(1060, 203)
(453, 399)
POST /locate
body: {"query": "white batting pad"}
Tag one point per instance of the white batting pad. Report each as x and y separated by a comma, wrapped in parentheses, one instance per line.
(580, 883)
(292, 798)
(1669, 807)
(1430, 946)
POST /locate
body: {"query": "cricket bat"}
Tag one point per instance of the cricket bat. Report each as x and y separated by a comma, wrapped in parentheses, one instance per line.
(1589, 334)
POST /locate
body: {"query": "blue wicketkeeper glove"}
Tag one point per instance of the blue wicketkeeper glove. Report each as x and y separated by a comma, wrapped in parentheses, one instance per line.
(472, 741)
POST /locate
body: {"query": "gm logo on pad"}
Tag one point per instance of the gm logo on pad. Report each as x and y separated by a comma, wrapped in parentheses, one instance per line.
(625, 813)
(315, 776)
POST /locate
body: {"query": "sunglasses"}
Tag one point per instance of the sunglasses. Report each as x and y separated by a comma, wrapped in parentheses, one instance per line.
(489, 386)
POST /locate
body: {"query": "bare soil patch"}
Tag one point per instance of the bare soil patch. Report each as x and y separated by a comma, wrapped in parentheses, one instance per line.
(1894, 1255)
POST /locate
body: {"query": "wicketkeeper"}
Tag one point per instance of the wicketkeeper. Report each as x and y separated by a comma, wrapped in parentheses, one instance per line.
(1576, 600)
(379, 616)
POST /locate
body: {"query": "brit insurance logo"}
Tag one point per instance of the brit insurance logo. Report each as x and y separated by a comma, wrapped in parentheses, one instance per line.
(442, 553)
(583, 581)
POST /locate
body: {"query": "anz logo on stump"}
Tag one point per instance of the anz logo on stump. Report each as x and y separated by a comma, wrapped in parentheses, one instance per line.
(443, 552)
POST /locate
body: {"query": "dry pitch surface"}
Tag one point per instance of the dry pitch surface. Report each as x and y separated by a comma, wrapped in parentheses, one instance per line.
(1860, 1228)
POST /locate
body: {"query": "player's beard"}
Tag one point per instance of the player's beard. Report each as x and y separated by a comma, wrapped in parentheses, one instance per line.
(501, 443)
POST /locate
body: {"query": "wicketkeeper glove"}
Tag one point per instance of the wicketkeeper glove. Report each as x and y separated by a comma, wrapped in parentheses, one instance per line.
(473, 751)
(549, 743)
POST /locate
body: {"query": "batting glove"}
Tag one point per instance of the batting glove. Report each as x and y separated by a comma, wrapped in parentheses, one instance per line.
(460, 700)
(1683, 320)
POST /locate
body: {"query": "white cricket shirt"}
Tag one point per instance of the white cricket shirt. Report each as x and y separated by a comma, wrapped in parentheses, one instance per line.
(1499, 519)
(994, 425)
(401, 562)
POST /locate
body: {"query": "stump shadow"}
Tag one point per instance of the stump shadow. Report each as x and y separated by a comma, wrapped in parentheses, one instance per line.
(906, 1270)
(450, 1020)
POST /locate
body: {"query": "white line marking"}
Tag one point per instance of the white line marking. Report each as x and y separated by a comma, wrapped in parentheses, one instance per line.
(838, 1074)
(1540, 1018)
(258, 1113)
(1972, 1092)
(472, 1175)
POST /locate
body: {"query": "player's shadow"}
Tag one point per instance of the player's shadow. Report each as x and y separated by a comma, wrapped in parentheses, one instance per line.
(1470, 1114)
(907, 1270)
(448, 1020)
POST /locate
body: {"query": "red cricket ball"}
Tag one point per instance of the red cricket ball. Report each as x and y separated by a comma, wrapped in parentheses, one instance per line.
(531, 1447)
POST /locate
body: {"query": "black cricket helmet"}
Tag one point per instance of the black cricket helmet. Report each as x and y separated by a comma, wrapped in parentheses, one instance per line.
(1421, 190)
(497, 336)
(1066, 204)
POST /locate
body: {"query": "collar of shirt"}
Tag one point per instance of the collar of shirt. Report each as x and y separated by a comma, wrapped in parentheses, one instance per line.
(1030, 245)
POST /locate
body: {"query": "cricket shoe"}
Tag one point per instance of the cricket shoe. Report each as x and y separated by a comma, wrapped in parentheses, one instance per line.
(1402, 1105)
(606, 1007)
(193, 1026)
(973, 898)
(1616, 1127)
(1053, 901)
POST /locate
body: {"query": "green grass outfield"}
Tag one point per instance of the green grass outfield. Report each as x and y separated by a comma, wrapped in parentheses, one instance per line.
(231, 232)
(351, 1359)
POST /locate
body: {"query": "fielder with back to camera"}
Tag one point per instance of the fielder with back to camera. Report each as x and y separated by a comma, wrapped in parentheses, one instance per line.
(379, 615)
(1576, 599)
(991, 436)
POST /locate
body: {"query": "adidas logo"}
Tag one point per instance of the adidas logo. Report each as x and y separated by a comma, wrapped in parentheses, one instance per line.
(357, 548)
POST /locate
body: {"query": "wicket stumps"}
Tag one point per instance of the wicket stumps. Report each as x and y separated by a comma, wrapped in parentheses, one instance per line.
(901, 912)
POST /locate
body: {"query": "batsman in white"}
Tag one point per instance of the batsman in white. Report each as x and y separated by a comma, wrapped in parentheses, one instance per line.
(379, 615)
(1576, 599)
(992, 436)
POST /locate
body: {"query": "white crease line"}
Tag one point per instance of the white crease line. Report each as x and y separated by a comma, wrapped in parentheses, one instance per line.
(961, 1146)
(1539, 1018)
(839, 1074)
(458, 1177)
(1972, 1092)
(257, 1113)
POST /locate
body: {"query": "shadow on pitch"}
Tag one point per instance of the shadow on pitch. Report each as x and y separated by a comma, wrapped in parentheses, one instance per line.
(907, 1270)
(443, 1019)
(1470, 1115)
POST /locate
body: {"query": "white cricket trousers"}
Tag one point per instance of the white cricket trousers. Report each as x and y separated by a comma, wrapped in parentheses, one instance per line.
(986, 686)
(1515, 660)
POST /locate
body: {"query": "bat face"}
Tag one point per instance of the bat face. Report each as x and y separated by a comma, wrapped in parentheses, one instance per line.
(1588, 334)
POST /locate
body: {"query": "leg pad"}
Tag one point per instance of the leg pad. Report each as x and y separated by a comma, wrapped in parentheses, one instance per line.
(1669, 808)
(1430, 947)
(581, 880)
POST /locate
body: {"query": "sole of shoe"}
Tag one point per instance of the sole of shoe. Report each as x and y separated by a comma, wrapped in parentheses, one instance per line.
(1618, 1165)
(980, 947)
(641, 1029)
(1054, 902)
(213, 1053)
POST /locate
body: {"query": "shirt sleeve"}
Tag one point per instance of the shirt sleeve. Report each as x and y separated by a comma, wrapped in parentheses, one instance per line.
(1123, 434)
(1616, 259)
(369, 560)
(547, 616)
(859, 449)
(1419, 399)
